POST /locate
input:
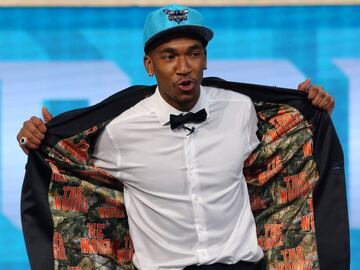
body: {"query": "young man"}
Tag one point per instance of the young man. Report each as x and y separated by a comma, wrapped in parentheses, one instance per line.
(34, 129)
(186, 209)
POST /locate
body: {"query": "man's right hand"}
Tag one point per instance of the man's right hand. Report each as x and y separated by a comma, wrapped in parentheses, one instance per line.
(33, 130)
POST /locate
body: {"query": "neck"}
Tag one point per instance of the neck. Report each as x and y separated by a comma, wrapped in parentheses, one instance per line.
(184, 105)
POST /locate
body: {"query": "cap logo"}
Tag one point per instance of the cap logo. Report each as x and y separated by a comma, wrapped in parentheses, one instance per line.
(178, 15)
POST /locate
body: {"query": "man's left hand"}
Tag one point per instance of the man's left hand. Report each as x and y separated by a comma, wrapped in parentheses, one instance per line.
(318, 96)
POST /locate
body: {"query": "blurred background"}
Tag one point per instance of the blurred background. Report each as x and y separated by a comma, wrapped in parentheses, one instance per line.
(67, 54)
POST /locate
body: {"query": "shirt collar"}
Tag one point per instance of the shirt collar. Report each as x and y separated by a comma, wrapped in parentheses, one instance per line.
(163, 109)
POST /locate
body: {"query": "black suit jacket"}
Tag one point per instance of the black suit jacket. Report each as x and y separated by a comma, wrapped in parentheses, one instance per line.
(56, 239)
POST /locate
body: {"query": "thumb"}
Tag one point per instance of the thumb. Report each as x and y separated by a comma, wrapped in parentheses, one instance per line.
(46, 114)
(304, 85)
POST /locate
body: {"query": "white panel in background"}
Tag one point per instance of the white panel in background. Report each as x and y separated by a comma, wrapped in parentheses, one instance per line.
(280, 73)
(351, 68)
(24, 86)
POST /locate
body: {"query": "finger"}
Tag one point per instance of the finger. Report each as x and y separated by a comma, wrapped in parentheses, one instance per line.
(23, 147)
(329, 108)
(42, 128)
(46, 114)
(30, 130)
(30, 145)
(38, 123)
(320, 98)
(18, 136)
(316, 95)
(313, 91)
(325, 101)
(31, 142)
(317, 100)
(304, 85)
(30, 138)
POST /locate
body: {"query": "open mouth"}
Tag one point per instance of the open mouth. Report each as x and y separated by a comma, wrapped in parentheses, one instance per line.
(186, 85)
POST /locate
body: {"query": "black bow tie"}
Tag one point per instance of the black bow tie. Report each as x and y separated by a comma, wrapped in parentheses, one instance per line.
(181, 119)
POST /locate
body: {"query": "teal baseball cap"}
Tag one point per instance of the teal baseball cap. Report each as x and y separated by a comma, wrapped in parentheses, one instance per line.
(174, 21)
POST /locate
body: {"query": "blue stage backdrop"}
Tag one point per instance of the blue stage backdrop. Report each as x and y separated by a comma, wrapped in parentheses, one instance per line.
(67, 58)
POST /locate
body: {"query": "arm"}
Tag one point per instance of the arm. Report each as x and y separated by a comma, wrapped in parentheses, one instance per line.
(34, 128)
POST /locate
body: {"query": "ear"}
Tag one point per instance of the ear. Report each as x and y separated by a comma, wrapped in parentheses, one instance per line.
(148, 63)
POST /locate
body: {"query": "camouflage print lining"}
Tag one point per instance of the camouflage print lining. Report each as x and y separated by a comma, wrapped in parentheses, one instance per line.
(90, 222)
(90, 225)
(281, 174)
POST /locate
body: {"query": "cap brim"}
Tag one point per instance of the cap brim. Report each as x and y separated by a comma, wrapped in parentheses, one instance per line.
(183, 30)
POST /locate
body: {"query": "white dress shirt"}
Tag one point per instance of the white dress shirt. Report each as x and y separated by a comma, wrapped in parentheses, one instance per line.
(186, 196)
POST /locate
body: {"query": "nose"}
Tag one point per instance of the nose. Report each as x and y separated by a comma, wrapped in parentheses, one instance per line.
(183, 66)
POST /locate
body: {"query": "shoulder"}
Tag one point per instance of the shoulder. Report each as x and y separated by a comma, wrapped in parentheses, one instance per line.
(139, 111)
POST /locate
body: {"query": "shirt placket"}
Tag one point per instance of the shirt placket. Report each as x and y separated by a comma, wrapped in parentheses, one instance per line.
(196, 197)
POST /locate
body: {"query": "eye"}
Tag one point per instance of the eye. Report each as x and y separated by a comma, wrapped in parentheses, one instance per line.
(168, 57)
(195, 54)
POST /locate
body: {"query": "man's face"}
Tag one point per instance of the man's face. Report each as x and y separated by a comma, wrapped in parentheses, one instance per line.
(178, 66)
